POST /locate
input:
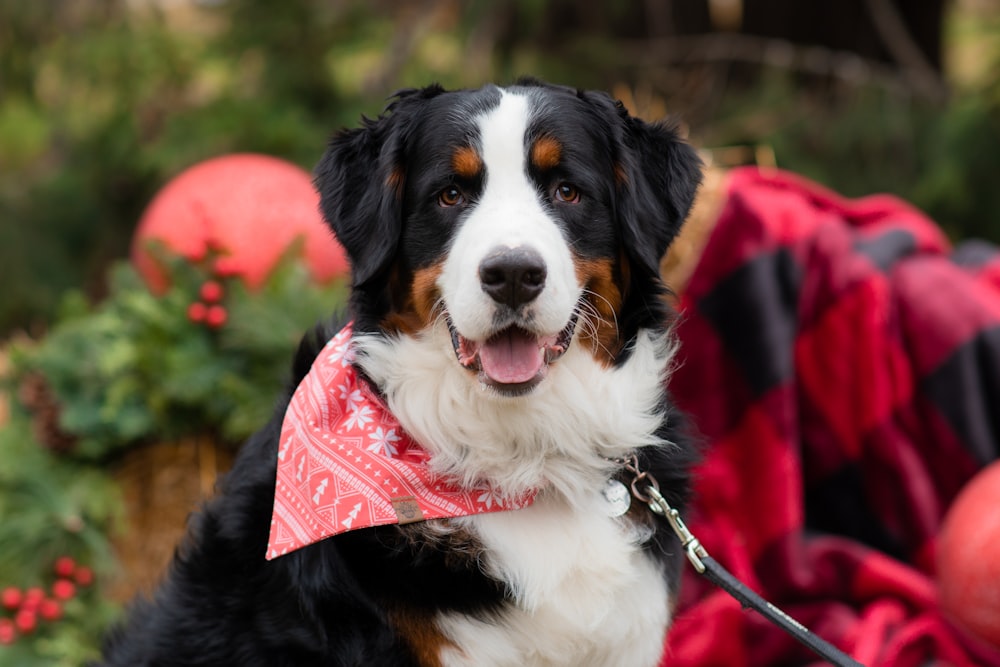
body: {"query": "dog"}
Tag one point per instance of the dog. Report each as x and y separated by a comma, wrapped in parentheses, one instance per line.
(506, 355)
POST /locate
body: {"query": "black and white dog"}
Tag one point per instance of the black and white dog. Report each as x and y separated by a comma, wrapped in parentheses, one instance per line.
(508, 317)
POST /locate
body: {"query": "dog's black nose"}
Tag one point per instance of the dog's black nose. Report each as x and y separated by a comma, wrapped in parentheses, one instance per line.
(513, 276)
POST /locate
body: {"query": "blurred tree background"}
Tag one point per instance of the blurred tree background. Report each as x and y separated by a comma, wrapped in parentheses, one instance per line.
(103, 101)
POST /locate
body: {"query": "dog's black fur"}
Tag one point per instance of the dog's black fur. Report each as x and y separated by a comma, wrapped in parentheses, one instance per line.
(339, 601)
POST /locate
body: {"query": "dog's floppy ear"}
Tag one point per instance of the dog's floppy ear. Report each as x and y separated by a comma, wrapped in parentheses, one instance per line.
(358, 199)
(360, 180)
(658, 176)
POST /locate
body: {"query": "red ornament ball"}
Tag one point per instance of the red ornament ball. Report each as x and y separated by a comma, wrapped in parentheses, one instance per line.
(249, 208)
(968, 555)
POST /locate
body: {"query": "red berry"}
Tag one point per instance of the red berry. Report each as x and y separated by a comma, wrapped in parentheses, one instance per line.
(197, 255)
(26, 621)
(84, 576)
(7, 632)
(63, 589)
(65, 567)
(216, 316)
(225, 267)
(32, 598)
(197, 311)
(11, 598)
(50, 610)
(211, 291)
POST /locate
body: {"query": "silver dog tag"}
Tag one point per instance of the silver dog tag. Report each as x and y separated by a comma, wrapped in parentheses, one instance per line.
(617, 496)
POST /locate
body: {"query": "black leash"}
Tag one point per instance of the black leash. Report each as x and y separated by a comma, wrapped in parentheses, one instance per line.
(646, 489)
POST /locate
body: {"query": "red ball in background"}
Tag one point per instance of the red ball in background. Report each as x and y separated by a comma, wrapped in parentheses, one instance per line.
(968, 555)
(249, 208)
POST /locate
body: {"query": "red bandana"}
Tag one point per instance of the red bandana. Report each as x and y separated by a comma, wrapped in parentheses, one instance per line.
(345, 463)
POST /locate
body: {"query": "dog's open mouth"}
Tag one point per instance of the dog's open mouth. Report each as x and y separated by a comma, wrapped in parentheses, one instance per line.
(513, 360)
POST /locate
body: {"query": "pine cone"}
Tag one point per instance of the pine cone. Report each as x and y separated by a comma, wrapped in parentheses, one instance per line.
(35, 395)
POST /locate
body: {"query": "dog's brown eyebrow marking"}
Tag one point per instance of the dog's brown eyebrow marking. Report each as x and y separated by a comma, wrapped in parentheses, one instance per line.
(546, 153)
(466, 162)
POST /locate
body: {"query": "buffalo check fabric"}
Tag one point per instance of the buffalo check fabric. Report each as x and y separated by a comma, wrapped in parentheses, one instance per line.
(841, 361)
(344, 462)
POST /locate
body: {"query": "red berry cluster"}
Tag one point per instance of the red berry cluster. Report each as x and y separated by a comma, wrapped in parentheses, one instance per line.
(28, 607)
(209, 311)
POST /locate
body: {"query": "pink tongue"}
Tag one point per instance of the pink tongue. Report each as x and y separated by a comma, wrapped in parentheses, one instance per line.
(511, 357)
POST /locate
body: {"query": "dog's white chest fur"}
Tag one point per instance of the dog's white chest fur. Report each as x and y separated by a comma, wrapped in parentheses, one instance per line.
(585, 595)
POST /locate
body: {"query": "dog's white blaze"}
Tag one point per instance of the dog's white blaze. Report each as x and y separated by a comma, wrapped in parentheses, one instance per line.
(507, 214)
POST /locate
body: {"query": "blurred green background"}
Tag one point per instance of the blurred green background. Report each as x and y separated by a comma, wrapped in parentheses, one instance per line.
(103, 101)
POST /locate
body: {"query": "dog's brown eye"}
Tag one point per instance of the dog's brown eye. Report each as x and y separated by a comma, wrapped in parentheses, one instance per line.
(450, 197)
(567, 193)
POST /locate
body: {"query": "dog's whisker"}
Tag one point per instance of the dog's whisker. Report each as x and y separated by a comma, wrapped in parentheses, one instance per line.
(440, 313)
(611, 307)
(587, 315)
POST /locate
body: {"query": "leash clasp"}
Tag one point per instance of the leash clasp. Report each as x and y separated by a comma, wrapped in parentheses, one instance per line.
(647, 489)
(692, 547)
(658, 504)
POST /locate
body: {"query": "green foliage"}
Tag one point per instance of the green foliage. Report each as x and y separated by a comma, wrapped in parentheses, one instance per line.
(867, 140)
(133, 368)
(958, 182)
(49, 508)
(52, 508)
(137, 366)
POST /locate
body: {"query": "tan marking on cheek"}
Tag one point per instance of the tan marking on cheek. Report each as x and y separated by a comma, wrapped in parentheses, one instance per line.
(416, 306)
(604, 301)
(424, 637)
(546, 153)
(466, 162)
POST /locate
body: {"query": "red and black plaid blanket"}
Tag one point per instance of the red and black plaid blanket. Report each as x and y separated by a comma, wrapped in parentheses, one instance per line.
(842, 363)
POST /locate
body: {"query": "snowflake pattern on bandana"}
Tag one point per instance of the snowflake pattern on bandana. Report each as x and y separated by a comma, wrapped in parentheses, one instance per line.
(345, 463)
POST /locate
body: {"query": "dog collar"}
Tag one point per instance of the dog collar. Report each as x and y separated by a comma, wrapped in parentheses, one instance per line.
(344, 462)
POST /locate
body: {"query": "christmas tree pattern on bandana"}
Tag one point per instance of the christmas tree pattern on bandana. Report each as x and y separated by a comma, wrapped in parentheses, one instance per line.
(344, 463)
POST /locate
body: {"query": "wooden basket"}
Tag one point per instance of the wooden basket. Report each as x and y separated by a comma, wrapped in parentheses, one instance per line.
(161, 485)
